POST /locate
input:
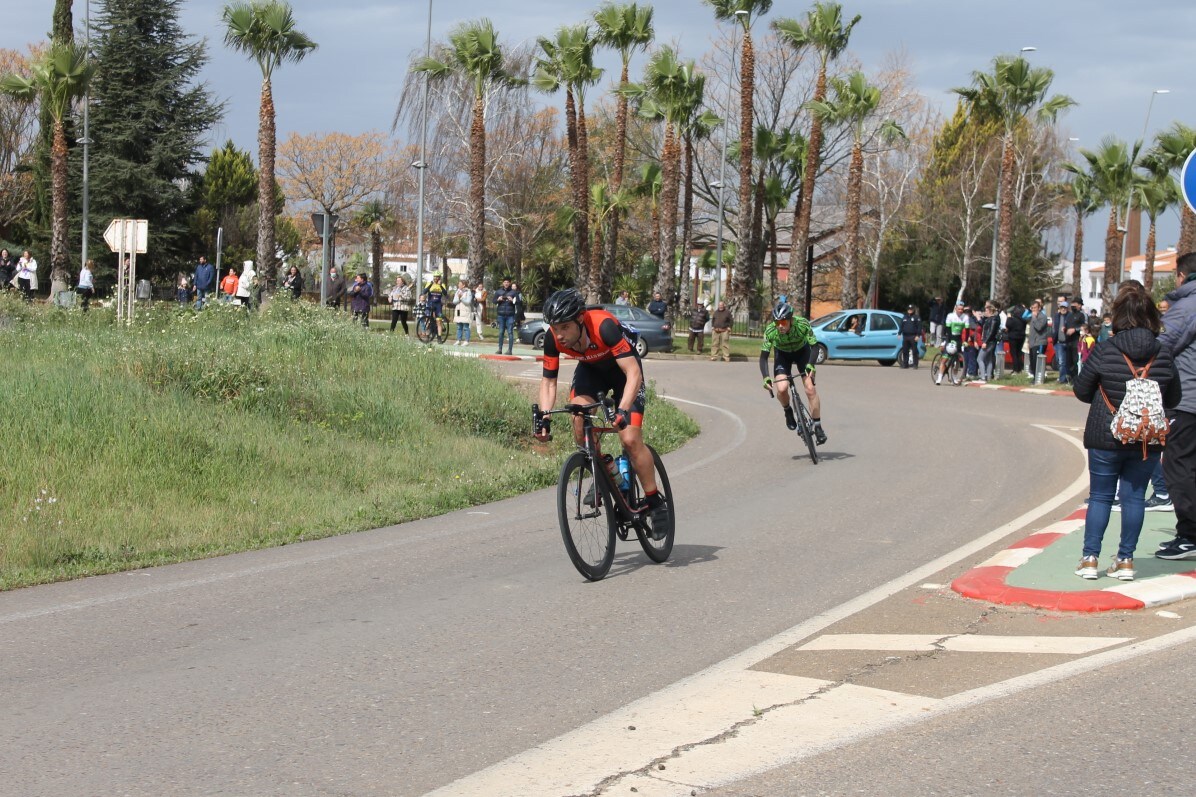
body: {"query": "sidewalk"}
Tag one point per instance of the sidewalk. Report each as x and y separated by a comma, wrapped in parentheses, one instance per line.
(1039, 571)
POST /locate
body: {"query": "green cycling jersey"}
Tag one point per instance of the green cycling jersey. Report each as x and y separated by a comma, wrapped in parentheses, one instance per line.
(800, 334)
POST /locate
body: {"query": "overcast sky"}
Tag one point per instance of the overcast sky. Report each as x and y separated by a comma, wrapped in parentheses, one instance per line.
(1108, 56)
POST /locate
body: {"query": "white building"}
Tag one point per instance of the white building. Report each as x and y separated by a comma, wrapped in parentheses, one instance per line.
(1092, 274)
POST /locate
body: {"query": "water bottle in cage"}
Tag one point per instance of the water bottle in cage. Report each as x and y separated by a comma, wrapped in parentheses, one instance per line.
(624, 479)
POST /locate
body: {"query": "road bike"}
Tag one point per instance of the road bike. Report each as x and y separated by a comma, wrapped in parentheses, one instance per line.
(955, 365)
(593, 507)
(426, 328)
(805, 422)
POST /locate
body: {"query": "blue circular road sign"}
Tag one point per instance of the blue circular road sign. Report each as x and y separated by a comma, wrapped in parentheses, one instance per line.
(1187, 181)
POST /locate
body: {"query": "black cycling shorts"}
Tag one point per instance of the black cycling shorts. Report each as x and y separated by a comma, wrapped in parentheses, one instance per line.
(784, 361)
(591, 381)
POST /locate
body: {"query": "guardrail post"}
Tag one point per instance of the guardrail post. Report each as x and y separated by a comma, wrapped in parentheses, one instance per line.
(1040, 369)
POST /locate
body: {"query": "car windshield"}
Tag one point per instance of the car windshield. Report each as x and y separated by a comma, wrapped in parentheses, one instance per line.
(824, 319)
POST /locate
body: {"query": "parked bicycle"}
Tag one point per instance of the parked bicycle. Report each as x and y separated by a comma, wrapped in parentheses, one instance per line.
(599, 497)
(427, 326)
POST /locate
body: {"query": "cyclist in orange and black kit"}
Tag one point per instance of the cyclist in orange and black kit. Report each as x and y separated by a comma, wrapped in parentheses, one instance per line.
(607, 362)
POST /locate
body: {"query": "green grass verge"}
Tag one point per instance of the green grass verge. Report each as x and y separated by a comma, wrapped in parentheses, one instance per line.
(192, 434)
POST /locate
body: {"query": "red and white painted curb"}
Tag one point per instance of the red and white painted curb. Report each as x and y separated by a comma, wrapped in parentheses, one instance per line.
(986, 581)
(495, 356)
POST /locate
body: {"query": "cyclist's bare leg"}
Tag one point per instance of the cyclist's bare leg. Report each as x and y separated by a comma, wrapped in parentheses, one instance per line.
(812, 396)
(632, 439)
(780, 386)
(579, 435)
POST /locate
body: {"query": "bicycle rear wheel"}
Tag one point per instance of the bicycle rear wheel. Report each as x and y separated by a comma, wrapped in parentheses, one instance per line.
(935, 364)
(588, 529)
(658, 550)
(805, 426)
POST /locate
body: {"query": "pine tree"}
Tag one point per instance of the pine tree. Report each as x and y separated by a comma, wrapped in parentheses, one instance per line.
(149, 119)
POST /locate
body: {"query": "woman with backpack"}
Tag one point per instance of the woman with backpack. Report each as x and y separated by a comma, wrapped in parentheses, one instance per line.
(1128, 381)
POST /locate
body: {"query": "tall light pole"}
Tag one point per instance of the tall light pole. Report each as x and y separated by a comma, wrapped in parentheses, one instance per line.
(422, 165)
(722, 167)
(86, 140)
(1129, 199)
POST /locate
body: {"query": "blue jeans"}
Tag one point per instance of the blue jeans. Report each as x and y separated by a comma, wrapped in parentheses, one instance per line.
(506, 326)
(1105, 470)
(1061, 359)
(1157, 480)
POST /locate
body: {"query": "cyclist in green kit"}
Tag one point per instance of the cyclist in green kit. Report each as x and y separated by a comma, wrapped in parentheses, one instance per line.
(953, 343)
(790, 339)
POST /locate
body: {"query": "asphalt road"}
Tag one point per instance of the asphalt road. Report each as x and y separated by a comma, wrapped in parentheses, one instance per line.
(396, 661)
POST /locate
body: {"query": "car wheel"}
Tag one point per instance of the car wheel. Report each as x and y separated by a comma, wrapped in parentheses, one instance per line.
(886, 362)
(641, 348)
(819, 354)
(538, 340)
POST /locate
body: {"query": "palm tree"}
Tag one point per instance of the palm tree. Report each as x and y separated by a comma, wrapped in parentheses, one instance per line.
(265, 31)
(627, 28)
(854, 103)
(1009, 94)
(375, 217)
(569, 61)
(744, 13)
(1171, 149)
(1155, 192)
(57, 79)
(1111, 174)
(474, 54)
(825, 32)
(672, 91)
(695, 127)
(1085, 203)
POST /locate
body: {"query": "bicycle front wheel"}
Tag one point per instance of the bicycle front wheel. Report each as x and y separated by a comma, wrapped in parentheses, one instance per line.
(421, 330)
(955, 371)
(935, 365)
(805, 427)
(658, 550)
(587, 525)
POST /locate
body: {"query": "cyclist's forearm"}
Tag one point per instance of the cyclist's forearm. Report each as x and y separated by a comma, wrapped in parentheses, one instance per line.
(764, 364)
(635, 378)
(547, 394)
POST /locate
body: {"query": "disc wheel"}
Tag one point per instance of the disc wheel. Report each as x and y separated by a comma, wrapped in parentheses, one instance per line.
(658, 550)
(588, 531)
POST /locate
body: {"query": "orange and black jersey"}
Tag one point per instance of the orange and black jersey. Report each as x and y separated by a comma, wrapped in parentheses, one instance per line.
(606, 344)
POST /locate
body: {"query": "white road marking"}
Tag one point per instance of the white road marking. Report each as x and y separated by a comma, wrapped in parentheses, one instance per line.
(966, 643)
(705, 750)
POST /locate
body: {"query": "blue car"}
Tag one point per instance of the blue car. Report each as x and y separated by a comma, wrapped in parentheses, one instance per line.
(858, 335)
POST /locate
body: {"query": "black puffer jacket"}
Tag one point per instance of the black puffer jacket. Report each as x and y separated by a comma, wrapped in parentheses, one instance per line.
(1107, 368)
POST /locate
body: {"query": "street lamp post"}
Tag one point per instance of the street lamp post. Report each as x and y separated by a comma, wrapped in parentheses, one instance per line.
(422, 164)
(1123, 228)
(722, 168)
(86, 140)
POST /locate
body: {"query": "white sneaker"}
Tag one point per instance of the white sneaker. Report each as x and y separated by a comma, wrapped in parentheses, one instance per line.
(1088, 568)
(938, 378)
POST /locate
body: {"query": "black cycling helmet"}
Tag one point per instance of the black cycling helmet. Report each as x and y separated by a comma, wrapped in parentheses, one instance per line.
(782, 311)
(564, 306)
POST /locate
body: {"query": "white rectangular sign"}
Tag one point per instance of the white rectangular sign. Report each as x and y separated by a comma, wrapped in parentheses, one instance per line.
(135, 232)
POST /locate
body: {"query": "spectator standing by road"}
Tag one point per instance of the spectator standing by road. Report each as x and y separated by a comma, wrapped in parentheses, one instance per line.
(294, 282)
(27, 275)
(182, 293)
(1116, 468)
(462, 312)
(520, 306)
(911, 331)
(1179, 466)
(228, 285)
(86, 286)
(400, 304)
(720, 337)
(624, 299)
(1074, 325)
(336, 288)
(1106, 325)
(697, 326)
(204, 281)
(657, 306)
(359, 299)
(246, 283)
(990, 341)
(1015, 333)
(1038, 329)
(937, 317)
(8, 269)
(480, 295)
(505, 299)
